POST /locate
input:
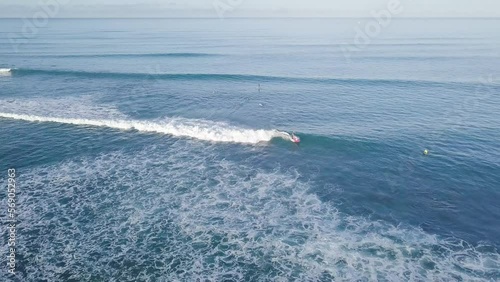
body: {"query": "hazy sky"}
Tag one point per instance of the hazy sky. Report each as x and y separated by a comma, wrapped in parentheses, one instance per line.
(264, 8)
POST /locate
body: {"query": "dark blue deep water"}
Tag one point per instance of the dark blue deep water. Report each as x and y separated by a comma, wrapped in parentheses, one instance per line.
(152, 150)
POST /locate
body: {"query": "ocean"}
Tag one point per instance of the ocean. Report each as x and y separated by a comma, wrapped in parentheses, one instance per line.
(158, 150)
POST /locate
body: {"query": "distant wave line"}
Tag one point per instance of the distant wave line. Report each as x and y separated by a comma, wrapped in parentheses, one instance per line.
(240, 78)
(156, 55)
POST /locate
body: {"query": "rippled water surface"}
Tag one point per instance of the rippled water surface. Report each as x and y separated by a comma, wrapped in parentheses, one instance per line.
(156, 150)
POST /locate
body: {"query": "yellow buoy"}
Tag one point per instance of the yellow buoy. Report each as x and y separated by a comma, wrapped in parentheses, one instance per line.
(426, 152)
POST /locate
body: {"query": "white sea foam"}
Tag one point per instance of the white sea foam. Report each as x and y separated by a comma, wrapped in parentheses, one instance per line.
(182, 213)
(5, 72)
(84, 111)
(180, 127)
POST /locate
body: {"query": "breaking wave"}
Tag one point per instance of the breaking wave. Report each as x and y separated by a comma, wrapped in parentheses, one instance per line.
(83, 111)
(179, 127)
(5, 72)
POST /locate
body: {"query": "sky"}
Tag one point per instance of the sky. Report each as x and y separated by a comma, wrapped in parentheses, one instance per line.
(248, 8)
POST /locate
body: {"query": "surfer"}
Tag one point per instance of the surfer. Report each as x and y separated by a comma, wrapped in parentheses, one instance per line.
(295, 139)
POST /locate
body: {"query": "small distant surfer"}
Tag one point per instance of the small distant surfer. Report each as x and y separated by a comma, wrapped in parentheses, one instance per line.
(295, 139)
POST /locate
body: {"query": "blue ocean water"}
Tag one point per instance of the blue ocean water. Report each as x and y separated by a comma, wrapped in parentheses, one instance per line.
(152, 150)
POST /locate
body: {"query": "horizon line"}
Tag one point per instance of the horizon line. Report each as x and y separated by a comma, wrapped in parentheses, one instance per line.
(258, 17)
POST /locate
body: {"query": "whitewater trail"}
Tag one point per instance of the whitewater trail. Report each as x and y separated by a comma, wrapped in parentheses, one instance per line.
(179, 127)
(4, 71)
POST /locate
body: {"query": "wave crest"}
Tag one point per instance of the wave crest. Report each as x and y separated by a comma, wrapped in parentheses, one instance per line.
(179, 127)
